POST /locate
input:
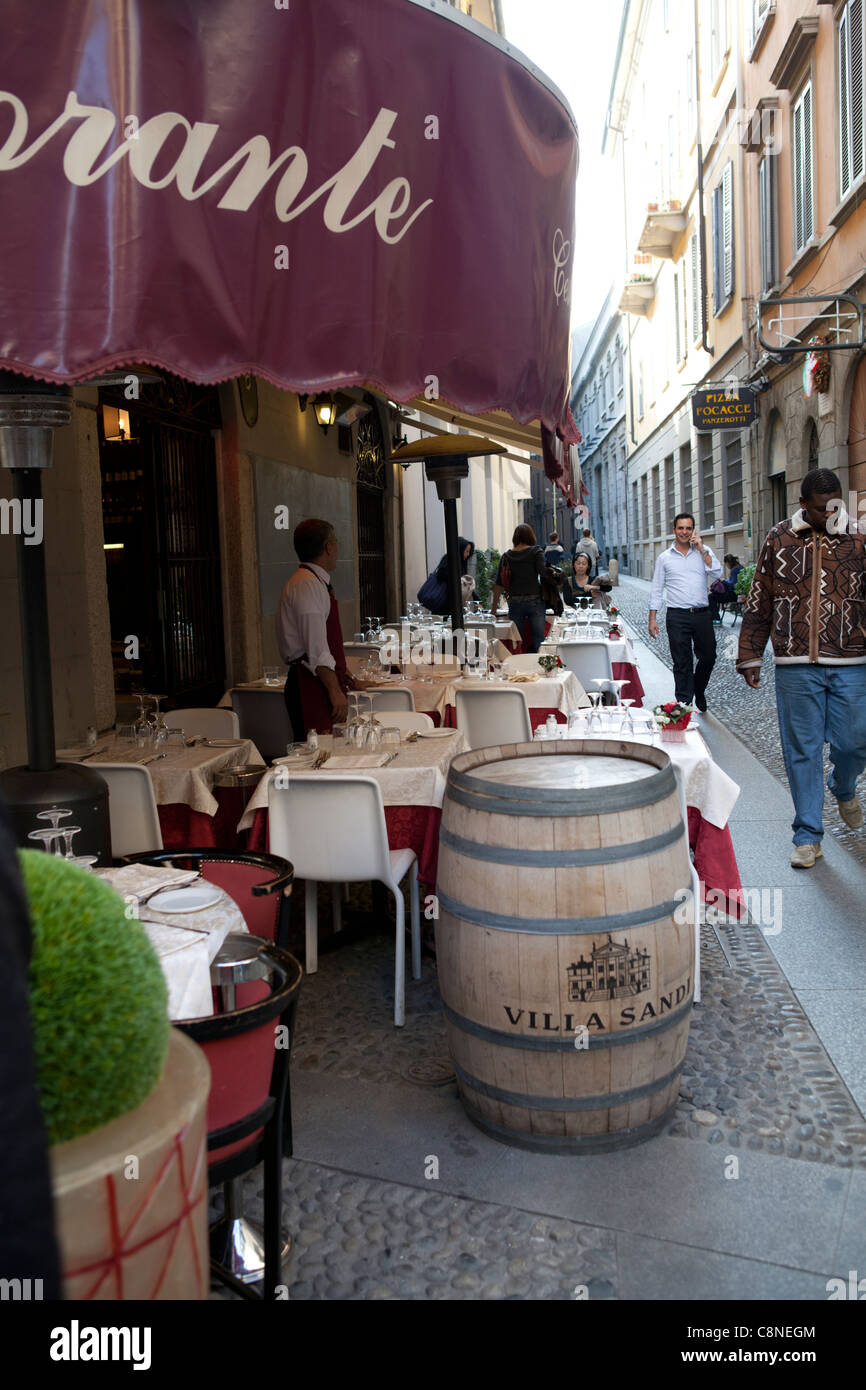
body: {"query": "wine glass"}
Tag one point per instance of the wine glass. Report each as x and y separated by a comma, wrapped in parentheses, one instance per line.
(627, 719)
(67, 833)
(55, 815)
(49, 839)
(618, 687)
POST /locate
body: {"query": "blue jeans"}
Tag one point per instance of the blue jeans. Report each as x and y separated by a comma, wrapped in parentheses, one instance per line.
(818, 705)
(519, 609)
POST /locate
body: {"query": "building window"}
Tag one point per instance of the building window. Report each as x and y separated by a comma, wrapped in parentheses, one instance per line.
(802, 160)
(732, 450)
(695, 266)
(685, 479)
(812, 461)
(718, 34)
(708, 483)
(657, 503)
(760, 10)
(678, 341)
(640, 391)
(635, 514)
(723, 239)
(670, 492)
(851, 95)
(644, 505)
(767, 205)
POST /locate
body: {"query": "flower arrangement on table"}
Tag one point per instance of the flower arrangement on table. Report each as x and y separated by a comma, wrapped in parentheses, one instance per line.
(549, 663)
(614, 632)
(673, 720)
(613, 611)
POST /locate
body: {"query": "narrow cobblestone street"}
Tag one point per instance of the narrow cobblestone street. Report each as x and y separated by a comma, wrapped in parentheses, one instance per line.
(393, 1194)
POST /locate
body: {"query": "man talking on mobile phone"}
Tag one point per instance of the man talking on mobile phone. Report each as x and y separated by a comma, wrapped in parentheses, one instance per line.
(681, 573)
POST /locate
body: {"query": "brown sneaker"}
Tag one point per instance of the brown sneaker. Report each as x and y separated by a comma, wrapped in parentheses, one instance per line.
(804, 856)
(851, 813)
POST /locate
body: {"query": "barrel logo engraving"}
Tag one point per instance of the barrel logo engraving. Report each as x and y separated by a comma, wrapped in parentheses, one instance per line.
(614, 970)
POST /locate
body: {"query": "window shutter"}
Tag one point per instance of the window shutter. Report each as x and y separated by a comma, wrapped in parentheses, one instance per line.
(797, 130)
(716, 249)
(696, 290)
(807, 165)
(854, 16)
(677, 339)
(844, 107)
(728, 228)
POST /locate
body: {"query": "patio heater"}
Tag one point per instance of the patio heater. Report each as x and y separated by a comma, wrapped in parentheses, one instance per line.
(446, 463)
(30, 412)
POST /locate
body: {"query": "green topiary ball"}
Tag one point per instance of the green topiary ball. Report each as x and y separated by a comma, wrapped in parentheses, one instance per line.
(97, 999)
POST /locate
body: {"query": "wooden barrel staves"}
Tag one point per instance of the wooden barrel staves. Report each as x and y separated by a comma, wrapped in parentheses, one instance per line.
(564, 941)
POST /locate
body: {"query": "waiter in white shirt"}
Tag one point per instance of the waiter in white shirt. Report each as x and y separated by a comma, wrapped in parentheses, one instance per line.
(682, 573)
(309, 636)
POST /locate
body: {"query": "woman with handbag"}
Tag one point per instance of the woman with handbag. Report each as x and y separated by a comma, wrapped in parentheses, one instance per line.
(519, 576)
(433, 593)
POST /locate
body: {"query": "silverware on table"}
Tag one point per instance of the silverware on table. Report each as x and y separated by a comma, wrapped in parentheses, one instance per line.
(390, 759)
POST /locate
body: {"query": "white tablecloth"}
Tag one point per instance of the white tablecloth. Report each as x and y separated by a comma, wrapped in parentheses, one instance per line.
(186, 944)
(710, 790)
(621, 650)
(560, 690)
(416, 777)
(186, 775)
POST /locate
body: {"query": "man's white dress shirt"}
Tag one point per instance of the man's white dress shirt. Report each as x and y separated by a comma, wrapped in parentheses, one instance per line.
(683, 578)
(302, 618)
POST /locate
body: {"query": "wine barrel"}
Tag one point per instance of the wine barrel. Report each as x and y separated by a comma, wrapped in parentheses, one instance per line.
(564, 942)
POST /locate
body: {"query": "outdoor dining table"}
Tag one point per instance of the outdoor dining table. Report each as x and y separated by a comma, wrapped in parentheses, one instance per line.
(557, 693)
(710, 796)
(413, 789)
(191, 811)
(186, 944)
(622, 659)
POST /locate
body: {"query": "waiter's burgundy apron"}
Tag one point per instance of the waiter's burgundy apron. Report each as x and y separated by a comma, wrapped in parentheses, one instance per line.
(306, 698)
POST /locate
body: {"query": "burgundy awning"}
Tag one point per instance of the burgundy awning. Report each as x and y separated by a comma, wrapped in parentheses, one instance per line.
(325, 194)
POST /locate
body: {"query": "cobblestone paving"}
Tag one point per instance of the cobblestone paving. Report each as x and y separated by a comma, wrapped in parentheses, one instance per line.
(750, 714)
(755, 1070)
(364, 1239)
(756, 1077)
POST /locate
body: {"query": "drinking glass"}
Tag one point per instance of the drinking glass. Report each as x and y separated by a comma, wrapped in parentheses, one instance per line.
(175, 739)
(55, 815)
(618, 687)
(272, 675)
(124, 734)
(67, 833)
(390, 738)
(48, 839)
(628, 721)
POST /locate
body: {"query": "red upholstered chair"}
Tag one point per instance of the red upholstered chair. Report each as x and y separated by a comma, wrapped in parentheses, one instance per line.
(249, 1097)
(260, 884)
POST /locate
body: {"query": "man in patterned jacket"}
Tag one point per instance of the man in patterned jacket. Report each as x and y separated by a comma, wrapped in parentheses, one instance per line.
(809, 596)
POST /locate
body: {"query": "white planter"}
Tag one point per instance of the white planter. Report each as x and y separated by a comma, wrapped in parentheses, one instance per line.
(131, 1198)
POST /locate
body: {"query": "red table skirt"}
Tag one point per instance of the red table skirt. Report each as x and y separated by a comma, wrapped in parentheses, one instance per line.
(625, 671)
(417, 828)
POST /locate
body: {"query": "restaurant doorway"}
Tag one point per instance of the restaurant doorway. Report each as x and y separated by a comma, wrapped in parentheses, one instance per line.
(370, 480)
(161, 524)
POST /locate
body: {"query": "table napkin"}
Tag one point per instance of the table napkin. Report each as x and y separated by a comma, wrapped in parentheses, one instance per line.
(138, 880)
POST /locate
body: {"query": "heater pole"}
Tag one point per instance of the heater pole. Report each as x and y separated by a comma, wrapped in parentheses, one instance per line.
(33, 615)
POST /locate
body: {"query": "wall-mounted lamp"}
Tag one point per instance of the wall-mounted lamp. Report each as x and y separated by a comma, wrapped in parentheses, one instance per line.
(115, 425)
(326, 412)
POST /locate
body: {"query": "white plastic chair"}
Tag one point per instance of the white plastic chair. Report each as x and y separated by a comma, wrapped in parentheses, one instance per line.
(132, 809)
(213, 723)
(488, 717)
(391, 699)
(523, 661)
(588, 661)
(332, 829)
(263, 717)
(407, 719)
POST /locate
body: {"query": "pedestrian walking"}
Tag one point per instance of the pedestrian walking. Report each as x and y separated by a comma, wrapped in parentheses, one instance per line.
(682, 573)
(519, 576)
(587, 546)
(809, 597)
(554, 553)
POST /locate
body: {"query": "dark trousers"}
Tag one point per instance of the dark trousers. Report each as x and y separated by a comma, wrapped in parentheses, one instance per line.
(687, 630)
